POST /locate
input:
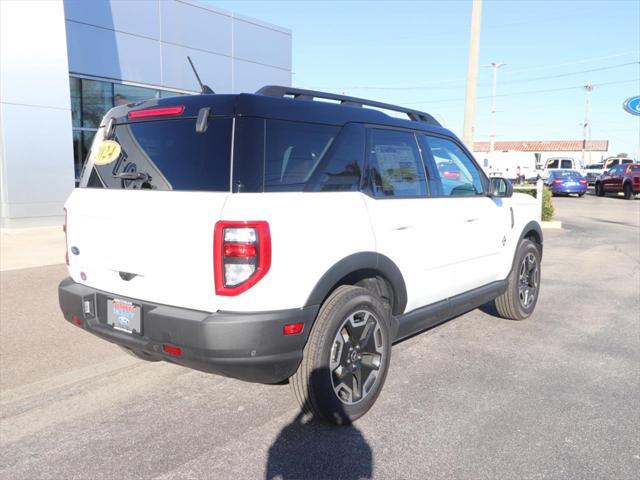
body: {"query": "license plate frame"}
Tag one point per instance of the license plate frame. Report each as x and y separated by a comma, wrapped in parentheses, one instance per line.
(124, 316)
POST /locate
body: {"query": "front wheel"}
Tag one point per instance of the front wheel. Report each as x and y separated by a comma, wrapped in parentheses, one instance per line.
(628, 191)
(346, 358)
(523, 284)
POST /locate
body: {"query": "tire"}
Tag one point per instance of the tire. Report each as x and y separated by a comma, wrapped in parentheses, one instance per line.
(515, 303)
(628, 191)
(321, 384)
(139, 355)
(599, 190)
(581, 195)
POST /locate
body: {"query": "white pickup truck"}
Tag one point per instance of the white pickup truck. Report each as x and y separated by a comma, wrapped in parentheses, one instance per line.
(273, 237)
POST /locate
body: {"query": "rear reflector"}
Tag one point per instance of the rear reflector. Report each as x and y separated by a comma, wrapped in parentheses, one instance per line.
(156, 112)
(76, 320)
(293, 328)
(172, 350)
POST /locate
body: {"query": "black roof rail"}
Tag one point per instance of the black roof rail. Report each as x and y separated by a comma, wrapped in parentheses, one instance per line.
(302, 94)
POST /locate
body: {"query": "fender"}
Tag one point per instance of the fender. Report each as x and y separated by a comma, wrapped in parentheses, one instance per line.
(532, 226)
(376, 263)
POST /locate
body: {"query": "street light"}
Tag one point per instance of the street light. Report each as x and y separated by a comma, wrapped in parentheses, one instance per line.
(586, 126)
(495, 66)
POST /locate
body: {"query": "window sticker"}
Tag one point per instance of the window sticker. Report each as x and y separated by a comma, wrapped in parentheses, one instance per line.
(108, 152)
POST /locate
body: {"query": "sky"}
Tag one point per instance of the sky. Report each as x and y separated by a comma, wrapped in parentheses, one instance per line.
(414, 53)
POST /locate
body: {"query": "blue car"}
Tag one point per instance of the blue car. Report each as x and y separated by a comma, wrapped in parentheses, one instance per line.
(566, 182)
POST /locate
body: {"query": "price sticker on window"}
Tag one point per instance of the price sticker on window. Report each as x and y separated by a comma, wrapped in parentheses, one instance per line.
(107, 152)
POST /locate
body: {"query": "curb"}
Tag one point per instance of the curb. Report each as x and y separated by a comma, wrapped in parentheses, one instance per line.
(551, 225)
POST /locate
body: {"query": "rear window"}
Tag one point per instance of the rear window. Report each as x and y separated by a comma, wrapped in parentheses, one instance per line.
(162, 155)
(566, 164)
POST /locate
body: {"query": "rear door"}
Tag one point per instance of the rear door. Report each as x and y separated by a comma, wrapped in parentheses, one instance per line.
(141, 225)
(409, 228)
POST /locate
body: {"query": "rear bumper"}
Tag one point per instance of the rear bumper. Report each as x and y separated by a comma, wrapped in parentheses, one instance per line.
(247, 346)
(572, 189)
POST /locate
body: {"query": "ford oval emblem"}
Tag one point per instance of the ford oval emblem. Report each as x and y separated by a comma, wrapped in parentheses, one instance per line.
(75, 250)
(632, 105)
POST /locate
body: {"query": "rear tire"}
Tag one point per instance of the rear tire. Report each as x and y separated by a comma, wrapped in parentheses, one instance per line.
(628, 191)
(523, 284)
(581, 194)
(346, 358)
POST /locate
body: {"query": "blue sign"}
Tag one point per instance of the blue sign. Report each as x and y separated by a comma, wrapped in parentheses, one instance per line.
(632, 105)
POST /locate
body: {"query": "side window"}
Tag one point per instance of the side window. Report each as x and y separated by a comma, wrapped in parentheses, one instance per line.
(553, 164)
(566, 164)
(456, 174)
(396, 168)
(293, 151)
(341, 169)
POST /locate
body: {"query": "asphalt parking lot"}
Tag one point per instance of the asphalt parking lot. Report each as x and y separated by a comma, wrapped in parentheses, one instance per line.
(555, 396)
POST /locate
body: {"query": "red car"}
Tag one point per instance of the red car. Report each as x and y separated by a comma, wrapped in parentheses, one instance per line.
(620, 178)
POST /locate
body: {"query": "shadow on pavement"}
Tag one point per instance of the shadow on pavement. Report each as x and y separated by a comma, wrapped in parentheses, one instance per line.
(309, 448)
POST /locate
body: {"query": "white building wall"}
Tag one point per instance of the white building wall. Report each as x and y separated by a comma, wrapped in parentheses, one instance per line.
(35, 114)
(132, 41)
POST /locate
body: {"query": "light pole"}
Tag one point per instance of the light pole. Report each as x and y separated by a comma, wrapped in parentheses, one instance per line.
(472, 75)
(495, 66)
(586, 126)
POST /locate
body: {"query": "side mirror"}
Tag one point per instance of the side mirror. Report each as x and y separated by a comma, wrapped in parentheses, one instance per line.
(500, 187)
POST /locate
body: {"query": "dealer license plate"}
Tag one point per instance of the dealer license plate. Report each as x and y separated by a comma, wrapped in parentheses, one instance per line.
(124, 316)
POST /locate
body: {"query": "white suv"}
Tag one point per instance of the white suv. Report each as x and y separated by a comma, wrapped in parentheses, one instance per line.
(289, 235)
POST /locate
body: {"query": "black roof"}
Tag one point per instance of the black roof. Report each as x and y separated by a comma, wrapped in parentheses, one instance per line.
(286, 103)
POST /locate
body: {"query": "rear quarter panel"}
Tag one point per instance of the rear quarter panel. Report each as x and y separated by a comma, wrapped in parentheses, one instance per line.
(310, 232)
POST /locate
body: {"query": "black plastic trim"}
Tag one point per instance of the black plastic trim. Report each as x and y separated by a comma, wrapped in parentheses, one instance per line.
(426, 317)
(377, 263)
(245, 345)
(532, 226)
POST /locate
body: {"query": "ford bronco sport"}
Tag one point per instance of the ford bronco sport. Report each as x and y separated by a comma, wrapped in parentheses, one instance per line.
(289, 235)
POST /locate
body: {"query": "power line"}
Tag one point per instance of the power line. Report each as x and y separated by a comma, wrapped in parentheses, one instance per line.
(617, 82)
(444, 84)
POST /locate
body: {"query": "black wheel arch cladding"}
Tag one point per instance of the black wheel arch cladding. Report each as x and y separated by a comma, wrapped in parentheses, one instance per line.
(375, 263)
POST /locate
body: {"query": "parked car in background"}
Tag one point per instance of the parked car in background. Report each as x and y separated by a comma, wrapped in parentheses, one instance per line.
(561, 163)
(624, 177)
(593, 171)
(613, 161)
(566, 182)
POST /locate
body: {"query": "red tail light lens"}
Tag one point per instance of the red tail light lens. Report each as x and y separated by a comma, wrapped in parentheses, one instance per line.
(583, 181)
(557, 182)
(156, 112)
(66, 242)
(241, 255)
(292, 328)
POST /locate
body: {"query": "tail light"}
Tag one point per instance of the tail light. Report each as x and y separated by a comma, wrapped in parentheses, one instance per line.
(583, 181)
(66, 242)
(557, 182)
(241, 255)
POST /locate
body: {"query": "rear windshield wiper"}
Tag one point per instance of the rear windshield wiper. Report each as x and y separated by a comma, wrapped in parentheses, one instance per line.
(145, 177)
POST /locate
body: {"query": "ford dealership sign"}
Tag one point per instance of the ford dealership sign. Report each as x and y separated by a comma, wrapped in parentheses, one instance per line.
(632, 105)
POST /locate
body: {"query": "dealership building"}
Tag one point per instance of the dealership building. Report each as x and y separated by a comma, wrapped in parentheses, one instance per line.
(64, 63)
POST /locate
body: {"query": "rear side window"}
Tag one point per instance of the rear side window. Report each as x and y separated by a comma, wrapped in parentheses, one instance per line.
(553, 164)
(293, 152)
(396, 168)
(566, 164)
(163, 155)
(633, 168)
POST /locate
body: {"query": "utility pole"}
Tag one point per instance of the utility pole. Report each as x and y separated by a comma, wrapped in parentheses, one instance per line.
(495, 66)
(586, 126)
(472, 75)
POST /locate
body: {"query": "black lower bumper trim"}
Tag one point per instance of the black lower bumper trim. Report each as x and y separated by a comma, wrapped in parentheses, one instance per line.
(249, 346)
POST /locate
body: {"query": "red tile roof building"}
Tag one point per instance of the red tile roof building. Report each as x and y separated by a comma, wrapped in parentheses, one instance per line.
(544, 146)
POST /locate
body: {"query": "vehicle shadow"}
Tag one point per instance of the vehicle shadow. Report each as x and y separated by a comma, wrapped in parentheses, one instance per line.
(311, 448)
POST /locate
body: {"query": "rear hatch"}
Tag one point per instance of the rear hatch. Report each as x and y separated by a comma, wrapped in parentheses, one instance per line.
(141, 224)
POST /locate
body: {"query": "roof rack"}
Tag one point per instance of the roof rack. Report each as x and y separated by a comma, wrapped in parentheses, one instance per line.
(302, 94)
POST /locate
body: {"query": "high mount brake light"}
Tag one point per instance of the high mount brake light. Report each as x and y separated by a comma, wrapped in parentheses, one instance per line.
(156, 112)
(241, 255)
